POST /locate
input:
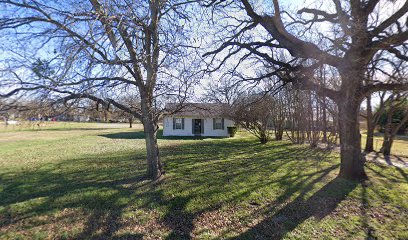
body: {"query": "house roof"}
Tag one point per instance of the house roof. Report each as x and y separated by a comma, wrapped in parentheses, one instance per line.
(198, 109)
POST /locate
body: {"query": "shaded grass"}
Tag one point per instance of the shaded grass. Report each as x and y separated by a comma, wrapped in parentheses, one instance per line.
(90, 185)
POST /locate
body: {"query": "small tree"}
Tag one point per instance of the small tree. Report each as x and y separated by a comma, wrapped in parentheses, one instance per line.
(254, 113)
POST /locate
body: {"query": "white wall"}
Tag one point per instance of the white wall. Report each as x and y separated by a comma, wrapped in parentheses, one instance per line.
(187, 131)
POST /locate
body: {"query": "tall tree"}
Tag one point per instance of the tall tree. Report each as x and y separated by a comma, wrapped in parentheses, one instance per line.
(98, 50)
(343, 35)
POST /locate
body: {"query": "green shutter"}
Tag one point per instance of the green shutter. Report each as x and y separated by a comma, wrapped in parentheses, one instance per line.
(182, 123)
(222, 123)
(192, 126)
(202, 126)
(174, 123)
(213, 123)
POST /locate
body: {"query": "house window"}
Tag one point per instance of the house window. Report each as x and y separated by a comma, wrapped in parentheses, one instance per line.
(178, 123)
(218, 123)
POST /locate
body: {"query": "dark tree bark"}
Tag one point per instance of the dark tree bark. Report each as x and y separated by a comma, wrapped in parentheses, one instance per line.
(324, 107)
(369, 146)
(279, 132)
(324, 121)
(372, 120)
(352, 164)
(130, 122)
(388, 139)
(154, 165)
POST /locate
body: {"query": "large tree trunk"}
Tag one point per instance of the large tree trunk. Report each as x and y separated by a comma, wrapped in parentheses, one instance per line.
(352, 164)
(154, 166)
(369, 146)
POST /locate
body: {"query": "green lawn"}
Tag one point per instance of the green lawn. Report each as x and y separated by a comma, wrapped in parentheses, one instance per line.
(85, 181)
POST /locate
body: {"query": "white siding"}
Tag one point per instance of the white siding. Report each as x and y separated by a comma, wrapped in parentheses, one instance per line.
(187, 131)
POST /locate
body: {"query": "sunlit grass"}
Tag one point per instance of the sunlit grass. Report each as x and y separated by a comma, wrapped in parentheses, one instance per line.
(399, 146)
(87, 181)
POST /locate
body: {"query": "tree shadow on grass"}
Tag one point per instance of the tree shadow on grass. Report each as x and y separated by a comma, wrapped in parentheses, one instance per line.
(319, 205)
(232, 177)
(202, 177)
(399, 164)
(97, 187)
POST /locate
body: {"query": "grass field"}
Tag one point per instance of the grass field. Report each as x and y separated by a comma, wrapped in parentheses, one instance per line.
(86, 181)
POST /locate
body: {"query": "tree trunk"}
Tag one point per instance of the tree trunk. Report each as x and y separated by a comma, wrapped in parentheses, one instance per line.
(263, 136)
(324, 121)
(352, 164)
(324, 108)
(386, 146)
(278, 133)
(150, 127)
(154, 166)
(105, 116)
(263, 140)
(390, 131)
(369, 146)
(130, 122)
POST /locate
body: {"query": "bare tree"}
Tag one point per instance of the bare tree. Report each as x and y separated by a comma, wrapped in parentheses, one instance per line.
(254, 113)
(226, 90)
(278, 108)
(353, 39)
(99, 50)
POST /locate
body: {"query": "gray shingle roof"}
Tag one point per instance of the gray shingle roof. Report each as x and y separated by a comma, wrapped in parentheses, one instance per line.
(198, 109)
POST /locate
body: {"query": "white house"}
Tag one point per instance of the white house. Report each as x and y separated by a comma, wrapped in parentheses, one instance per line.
(197, 119)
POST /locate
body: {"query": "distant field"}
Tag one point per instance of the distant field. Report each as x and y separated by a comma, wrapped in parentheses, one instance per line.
(49, 125)
(86, 181)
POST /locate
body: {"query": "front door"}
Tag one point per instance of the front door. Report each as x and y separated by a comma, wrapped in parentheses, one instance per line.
(198, 126)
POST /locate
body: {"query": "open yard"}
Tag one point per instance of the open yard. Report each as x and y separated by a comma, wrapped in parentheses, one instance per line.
(85, 181)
